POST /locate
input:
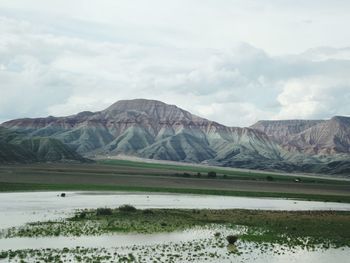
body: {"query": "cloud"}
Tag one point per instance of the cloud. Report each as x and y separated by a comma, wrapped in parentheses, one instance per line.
(314, 97)
(327, 53)
(46, 71)
(276, 26)
(243, 113)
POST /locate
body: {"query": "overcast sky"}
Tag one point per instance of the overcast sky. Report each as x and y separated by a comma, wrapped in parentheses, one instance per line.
(232, 61)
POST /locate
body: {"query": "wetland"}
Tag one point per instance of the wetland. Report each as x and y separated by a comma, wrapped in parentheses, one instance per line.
(99, 227)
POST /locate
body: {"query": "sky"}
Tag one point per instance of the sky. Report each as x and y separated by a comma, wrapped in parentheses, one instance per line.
(231, 61)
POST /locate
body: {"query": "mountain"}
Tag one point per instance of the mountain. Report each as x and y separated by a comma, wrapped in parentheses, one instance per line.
(153, 129)
(16, 147)
(282, 130)
(328, 137)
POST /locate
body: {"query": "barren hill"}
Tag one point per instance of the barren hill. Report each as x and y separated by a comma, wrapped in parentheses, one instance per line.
(156, 130)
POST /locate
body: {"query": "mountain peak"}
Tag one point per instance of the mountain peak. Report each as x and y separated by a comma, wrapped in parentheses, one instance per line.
(341, 119)
(137, 104)
(152, 108)
(134, 103)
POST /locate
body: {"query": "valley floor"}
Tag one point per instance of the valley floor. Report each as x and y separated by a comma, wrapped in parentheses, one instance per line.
(138, 176)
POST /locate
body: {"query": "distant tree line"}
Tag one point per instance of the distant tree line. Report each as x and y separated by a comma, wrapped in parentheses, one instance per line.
(210, 174)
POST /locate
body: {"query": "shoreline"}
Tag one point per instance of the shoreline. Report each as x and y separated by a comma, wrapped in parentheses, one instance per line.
(6, 187)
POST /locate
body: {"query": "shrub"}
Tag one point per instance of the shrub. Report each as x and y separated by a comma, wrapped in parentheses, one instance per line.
(232, 239)
(127, 208)
(269, 178)
(212, 174)
(147, 212)
(82, 215)
(104, 211)
(186, 175)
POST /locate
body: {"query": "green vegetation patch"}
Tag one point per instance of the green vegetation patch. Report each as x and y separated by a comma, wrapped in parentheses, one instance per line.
(282, 227)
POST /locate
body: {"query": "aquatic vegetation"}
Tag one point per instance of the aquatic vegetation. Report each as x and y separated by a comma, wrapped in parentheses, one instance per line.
(208, 249)
(103, 211)
(127, 208)
(330, 229)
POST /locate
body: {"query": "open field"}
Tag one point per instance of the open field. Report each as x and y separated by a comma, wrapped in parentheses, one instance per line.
(119, 159)
(136, 176)
(233, 172)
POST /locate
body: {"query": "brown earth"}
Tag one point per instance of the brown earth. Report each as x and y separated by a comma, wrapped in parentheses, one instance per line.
(96, 174)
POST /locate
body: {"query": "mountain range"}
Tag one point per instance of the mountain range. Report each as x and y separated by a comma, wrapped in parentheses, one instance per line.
(155, 130)
(310, 136)
(18, 147)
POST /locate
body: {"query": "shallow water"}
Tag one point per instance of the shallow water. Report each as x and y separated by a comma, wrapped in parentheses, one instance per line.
(19, 208)
(186, 244)
(297, 256)
(104, 241)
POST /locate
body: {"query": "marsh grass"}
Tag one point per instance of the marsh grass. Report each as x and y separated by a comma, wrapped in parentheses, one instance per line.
(103, 211)
(127, 208)
(330, 229)
(198, 250)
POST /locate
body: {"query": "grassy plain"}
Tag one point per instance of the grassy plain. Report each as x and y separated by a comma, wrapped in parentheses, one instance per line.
(120, 175)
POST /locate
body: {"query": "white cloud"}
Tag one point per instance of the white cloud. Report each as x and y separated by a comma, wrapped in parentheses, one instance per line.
(314, 97)
(245, 114)
(49, 69)
(327, 53)
(274, 25)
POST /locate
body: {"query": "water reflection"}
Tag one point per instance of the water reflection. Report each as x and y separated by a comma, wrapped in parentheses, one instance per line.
(231, 248)
(19, 208)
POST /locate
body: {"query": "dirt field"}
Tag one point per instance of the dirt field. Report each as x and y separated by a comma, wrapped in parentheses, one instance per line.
(127, 174)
